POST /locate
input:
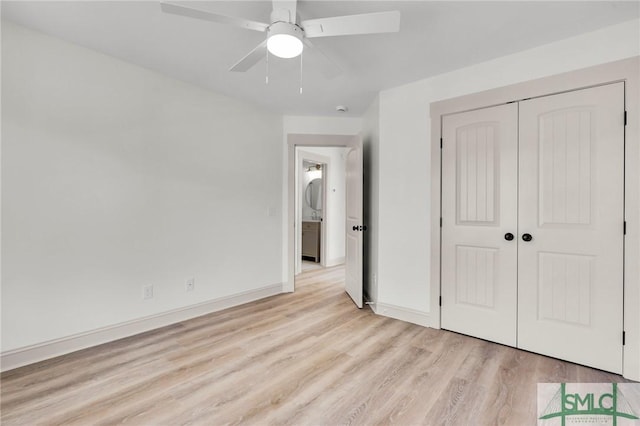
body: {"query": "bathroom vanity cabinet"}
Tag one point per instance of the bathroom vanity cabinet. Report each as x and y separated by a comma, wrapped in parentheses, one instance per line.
(311, 240)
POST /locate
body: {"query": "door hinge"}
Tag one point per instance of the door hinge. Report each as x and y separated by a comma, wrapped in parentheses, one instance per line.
(625, 118)
(440, 301)
(440, 222)
(440, 143)
(624, 338)
(624, 228)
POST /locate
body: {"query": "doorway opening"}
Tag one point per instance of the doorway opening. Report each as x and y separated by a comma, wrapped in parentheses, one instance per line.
(320, 207)
(314, 209)
(325, 197)
(313, 206)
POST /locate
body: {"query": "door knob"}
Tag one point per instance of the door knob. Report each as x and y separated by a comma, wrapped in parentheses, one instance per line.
(508, 236)
(527, 237)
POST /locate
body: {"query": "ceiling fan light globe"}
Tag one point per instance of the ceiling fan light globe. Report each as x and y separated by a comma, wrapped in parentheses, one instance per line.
(284, 46)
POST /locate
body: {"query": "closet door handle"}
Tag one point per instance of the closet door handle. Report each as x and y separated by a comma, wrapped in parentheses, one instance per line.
(527, 237)
(508, 236)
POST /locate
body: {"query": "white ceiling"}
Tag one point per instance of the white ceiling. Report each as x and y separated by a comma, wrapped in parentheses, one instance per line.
(435, 37)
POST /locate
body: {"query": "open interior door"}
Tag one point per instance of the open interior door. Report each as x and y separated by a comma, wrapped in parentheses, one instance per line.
(355, 225)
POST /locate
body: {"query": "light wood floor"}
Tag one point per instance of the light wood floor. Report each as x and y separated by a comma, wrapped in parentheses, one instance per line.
(307, 358)
(308, 265)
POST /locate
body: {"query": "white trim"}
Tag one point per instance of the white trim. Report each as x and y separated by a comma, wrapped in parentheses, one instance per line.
(404, 314)
(335, 261)
(29, 354)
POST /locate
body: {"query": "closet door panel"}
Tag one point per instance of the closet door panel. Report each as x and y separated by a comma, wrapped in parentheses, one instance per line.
(571, 182)
(479, 206)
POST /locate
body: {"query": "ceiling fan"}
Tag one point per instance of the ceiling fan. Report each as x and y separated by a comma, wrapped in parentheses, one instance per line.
(287, 37)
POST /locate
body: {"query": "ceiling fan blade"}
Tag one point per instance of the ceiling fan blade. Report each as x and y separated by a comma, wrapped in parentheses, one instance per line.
(285, 5)
(212, 17)
(368, 23)
(328, 68)
(252, 58)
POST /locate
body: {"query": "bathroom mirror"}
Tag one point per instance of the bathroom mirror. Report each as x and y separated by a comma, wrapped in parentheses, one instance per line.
(313, 194)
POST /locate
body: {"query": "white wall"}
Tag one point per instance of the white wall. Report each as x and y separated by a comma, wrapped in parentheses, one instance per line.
(316, 125)
(404, 217)
(114, 177)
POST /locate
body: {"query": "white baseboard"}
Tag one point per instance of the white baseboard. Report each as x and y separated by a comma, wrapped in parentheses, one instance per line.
(333, 262)
(403, 314)
(29, 354)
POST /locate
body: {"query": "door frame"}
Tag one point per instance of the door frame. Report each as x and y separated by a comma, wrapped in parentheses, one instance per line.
(302, 140)
(326, 164)
(627, 71)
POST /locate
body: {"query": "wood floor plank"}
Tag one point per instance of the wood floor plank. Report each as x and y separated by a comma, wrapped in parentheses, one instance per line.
(304, 358)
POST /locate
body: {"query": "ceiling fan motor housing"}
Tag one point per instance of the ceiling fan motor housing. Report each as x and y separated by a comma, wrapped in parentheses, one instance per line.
(282, 15)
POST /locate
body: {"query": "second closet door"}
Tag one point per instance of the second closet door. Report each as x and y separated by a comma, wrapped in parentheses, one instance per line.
(571, 183)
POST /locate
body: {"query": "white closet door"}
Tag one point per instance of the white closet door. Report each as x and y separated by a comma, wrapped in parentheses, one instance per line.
(479, 207)
(571, 203)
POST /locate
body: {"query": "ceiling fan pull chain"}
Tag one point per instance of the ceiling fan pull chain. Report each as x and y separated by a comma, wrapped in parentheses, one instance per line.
(301, 73)
(266, 77)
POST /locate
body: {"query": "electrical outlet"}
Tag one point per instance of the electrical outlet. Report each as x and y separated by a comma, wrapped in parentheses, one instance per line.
(190, 285)
(147, 291)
